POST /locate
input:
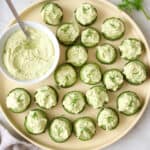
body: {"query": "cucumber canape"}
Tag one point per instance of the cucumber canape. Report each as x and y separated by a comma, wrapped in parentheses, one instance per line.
(97, 96)
(18, 100)
(106, 53)
(113, 79)
(90, 37)
(60, 129)
(52, 13)
(135, 72)
(46, 97)
(113, 28)
(84, 128)
(86, 14)
(65, 75)
(68, 33)
(90, 73)
(77, 55)
(74, 102)
(108, 118)
(131, 48)
(128, 103)
(36, 121)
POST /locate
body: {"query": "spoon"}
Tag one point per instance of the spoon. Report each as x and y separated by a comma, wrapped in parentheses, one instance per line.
(14, 12)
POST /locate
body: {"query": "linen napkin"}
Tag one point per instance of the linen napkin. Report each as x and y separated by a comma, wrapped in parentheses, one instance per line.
(9, 142)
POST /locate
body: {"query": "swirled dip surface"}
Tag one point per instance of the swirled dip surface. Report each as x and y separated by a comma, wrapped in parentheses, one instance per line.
(28, 59)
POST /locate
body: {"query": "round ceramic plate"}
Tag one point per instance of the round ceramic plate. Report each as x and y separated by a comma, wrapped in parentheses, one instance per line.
(102, 138)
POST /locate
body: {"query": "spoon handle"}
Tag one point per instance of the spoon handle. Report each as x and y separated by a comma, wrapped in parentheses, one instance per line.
(13, 10)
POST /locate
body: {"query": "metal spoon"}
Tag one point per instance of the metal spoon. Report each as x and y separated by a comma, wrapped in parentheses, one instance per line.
(14, 12)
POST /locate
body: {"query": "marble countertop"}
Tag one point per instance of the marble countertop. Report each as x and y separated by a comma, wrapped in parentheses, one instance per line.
(139, 137)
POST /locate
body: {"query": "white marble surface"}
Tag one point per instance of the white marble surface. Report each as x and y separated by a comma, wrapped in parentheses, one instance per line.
(139, 137)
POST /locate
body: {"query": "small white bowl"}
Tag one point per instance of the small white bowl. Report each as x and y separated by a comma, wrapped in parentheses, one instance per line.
(41, 28)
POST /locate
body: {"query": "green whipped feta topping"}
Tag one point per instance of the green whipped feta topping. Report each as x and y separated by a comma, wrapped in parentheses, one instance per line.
(90, 37)
(60, 129)
(135, 72)
(107, 119)
(106, 53)
(74, 102)
(18, 100)
(52, 13)
(113, 28)
(84, 128)
(131, 48)
(77, 55)
(128, 103)
(36, 121)
(67, 33)
(90, 73)
(113, 79)
(97, 96)
(65, 75)
(86, 14)
(46, 97)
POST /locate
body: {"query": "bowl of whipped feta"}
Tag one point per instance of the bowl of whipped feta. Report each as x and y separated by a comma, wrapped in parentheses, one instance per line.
(28, 60)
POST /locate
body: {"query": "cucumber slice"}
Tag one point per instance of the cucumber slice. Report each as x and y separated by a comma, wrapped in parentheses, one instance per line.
(113, 28)
(65, 75)
(131, 49)
(106, 53)
(68, 33)
(90, 37)
(128, 103)
(97, 96)
(108, 119)
(46, 97)
(84, 128)
(135, 72)
(77, 55)
(52, 13)
(113, 79)
(74, 102)
(18, 100)
(60, 129)
(36, 121)
(90, 73)
(86, 14)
